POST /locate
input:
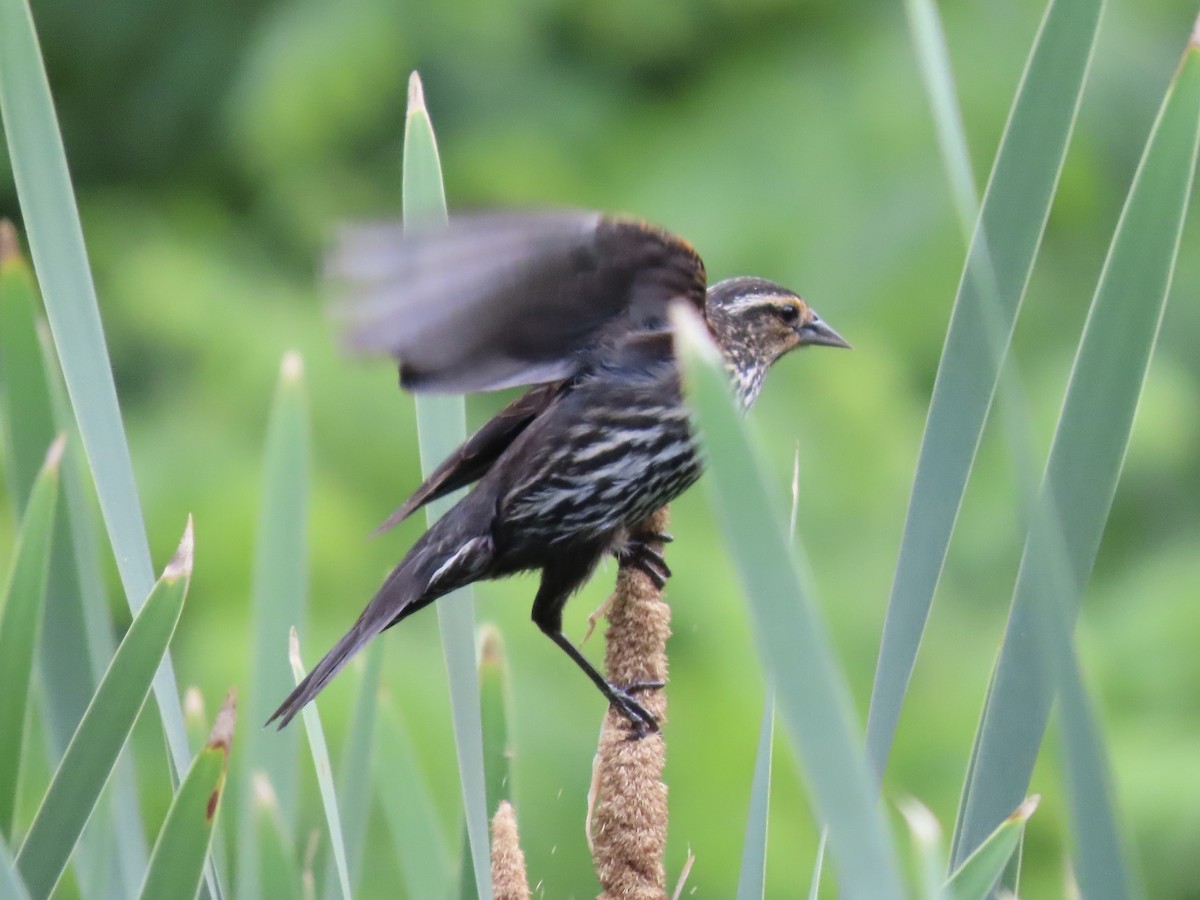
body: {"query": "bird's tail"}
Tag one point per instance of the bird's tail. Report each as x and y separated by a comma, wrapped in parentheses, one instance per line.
(432, 568)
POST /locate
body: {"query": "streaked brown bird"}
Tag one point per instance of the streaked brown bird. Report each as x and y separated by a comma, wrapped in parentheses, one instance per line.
(574, 303)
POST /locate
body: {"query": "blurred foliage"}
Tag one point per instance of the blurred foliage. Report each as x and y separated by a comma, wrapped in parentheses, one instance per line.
(214, 146)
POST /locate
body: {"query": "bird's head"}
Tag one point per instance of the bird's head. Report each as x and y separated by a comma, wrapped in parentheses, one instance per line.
(755, 322)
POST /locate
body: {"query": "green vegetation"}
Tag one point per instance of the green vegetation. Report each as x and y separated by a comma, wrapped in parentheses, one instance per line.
(212, 149)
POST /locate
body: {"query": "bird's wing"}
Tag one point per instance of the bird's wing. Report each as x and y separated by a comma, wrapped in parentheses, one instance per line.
(499, 299)
(475, 456)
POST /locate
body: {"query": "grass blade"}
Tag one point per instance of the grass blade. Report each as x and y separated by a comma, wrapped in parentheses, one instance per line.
(177, 861)
(999, 262)
(355, 781)
(933, 59)
(814, 700)
(975, 878)
(417, 836)
(279, 873)
(104, 729)
(20, 623)
(929, 846)
(496, 705)
(278, 593)
(1080, 482)
(82, 577)
(70, 663)
(11, 886)
(441, 427)
(60, 260)
(320, 758)
(753, 876)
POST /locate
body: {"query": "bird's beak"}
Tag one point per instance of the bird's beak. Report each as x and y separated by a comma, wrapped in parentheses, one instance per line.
(817, 332)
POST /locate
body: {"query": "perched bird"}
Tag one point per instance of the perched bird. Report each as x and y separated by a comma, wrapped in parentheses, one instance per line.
(574, 303)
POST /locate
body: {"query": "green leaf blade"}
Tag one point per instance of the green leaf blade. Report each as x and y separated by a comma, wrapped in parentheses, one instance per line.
(104, 729)
(20, 624)
(441, 427)
(1079, 486)
(978, 874)
(752, 876)
(277, 601)
(177, 860)
(812, 694)
(60, 260)
(1012, 218)
(419, 842)
(320, 757)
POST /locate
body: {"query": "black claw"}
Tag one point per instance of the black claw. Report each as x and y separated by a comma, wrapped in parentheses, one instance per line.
(639, 554)
(642, 721)
(650, 684)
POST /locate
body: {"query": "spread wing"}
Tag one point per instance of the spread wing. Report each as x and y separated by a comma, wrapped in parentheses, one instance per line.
(499, 299)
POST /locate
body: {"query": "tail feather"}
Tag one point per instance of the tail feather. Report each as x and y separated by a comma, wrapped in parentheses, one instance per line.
(432, 568)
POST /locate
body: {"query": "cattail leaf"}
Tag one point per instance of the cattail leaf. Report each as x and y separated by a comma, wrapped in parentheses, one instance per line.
(978, 874)
(104, 729)
(355, 786)
(417, 835)
(177, 860)
(441, 427)
(752, 877)
(279, 874)
(929, 848)
(496, 704)
(999, 262)
(20, 623)
(277, 598)
(811, 691)
(320, 757)
(1080, 482)
(11, 886)
(60, 260)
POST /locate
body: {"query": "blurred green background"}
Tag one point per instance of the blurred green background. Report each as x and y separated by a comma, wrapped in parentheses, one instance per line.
(214, 146)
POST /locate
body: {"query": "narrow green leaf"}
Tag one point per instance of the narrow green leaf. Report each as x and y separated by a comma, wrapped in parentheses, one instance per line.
(20, 623)
(496, 704)
(975, 878)
(753, 875)
(279, 874)
(60, 260)
(29, 426)
(105, 727)
(1080, 482)
(11, 886)
(933, 59)
(355, 781)
(417, 836)
(929, 846)
(441, 427)
(177, 861)
(76, 575)
(277, 597)
(811, 692)
(999, 262)
(320, 757)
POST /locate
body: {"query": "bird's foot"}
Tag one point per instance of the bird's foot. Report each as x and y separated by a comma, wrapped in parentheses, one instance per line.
(638, 553)
(643, 721)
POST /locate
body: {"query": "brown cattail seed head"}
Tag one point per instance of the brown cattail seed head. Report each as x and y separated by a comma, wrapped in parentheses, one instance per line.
(629, 821)
(509, 881)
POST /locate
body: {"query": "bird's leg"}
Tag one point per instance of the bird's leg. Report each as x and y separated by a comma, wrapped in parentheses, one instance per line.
(557, 584)
(638, 553)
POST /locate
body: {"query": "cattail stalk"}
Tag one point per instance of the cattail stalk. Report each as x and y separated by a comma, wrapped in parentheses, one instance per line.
(628, 826)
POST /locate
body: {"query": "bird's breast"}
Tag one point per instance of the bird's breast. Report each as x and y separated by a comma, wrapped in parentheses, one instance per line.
(608, 457)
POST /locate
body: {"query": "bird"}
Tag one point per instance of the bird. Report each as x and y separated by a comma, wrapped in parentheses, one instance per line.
(574, 304)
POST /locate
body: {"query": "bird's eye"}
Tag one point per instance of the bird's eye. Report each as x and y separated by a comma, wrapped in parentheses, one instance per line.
(789, 314)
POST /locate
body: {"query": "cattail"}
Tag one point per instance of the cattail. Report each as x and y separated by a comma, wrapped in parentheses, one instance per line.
(509, 881)
(628, 824)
